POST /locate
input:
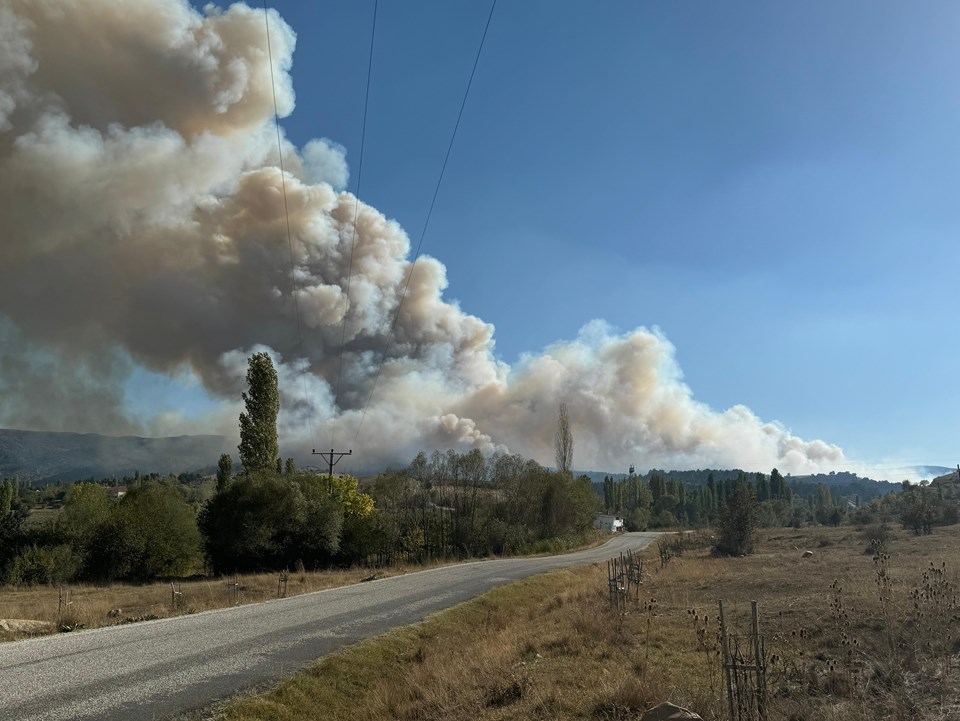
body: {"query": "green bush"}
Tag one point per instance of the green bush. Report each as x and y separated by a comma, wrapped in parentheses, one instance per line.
(49, 565)
(638, 519)
(151, 533)
(266, 521)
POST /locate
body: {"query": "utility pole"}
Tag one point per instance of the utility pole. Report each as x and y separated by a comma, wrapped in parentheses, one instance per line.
(332, 458)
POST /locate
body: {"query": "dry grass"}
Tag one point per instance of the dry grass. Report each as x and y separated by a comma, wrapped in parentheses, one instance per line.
(550, 648)
(94, 606)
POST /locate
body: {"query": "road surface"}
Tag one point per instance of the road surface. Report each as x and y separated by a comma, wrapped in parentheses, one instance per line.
(165, 668)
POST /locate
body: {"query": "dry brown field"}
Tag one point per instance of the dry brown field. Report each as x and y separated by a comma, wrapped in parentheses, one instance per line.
(850, 638)
(95, 606)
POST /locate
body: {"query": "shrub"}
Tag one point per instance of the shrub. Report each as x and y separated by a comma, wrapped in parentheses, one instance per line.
(49, 565)
(265, 521)
(737, 527)
(151, 533)
(638, 519)
(879, 533)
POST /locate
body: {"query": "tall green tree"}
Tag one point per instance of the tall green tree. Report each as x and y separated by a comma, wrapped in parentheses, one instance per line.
(224, 472)
(259, 447)
(152, 532)
(658, 487)
(737, 525)
(763, 487)
(86, 508)
(776, 484)
(12, 516)
(265, 521)
(563, 442)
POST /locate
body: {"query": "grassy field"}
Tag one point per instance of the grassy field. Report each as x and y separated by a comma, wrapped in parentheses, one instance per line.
(851, 635)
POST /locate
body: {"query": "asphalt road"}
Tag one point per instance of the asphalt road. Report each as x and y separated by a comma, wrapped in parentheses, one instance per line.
(162, 669)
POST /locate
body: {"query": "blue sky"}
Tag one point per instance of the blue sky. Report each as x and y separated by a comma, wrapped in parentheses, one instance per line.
(773, 185)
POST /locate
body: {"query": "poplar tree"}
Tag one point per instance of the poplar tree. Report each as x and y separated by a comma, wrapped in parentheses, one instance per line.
(563, 442)
(224, 471)
(259, 448)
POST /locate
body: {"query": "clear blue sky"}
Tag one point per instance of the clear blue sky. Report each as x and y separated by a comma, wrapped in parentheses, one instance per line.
(773, 185)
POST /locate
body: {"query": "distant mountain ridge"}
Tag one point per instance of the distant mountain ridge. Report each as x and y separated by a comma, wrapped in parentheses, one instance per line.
(934, 471)
(699, 476)
(48, 456)
(45, 456)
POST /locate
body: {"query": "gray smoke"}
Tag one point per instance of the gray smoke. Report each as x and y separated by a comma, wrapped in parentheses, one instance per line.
(143, 223)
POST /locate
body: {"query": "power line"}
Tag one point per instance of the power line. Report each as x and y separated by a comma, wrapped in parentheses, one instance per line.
(286, 213)
(356, 212)
(426, 223)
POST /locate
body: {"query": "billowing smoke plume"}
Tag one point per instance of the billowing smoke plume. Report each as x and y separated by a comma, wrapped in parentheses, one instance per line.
(143, 223)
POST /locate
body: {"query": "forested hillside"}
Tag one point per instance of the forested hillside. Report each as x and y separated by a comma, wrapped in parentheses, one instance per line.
(41, 457)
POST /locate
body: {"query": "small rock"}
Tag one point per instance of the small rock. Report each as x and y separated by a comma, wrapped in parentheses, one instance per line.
(669, 712)
(807, 554)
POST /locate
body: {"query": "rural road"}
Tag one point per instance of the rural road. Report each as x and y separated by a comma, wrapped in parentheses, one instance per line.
(165, 668)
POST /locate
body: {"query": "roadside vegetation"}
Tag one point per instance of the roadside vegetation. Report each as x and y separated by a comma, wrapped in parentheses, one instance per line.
(267, 517)
(854, 631)
(109, 604)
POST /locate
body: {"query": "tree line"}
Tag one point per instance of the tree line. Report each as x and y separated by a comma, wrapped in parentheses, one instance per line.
(269, 515)
(656, 501)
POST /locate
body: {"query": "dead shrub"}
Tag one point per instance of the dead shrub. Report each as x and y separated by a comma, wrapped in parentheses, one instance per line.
(504, 694)
(628, 699)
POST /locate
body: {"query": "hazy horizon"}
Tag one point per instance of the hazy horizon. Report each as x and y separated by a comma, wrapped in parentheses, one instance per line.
(719, 248)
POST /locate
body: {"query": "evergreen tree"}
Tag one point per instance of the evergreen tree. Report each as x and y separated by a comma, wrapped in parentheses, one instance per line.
(657, 487)
(224, 472)
(607, 493)
(738, 522)
(776, 484)
(712, 491)
(763, 488)
(259, 448)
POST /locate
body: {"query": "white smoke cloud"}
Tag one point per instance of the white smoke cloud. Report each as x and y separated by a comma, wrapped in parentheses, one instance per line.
(144, 223)
(325, 161)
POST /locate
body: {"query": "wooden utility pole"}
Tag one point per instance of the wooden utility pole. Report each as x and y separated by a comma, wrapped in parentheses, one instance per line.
(332, 458)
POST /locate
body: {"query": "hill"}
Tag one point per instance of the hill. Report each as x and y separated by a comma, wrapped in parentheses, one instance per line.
(952, 477)
(43, 457)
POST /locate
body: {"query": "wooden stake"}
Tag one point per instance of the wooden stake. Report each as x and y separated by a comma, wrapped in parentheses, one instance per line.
(726, 662)
(759, 662)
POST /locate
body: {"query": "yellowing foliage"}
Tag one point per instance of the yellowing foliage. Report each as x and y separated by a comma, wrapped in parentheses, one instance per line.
(356, 504)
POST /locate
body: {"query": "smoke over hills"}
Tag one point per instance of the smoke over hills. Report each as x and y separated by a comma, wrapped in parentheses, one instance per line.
(42, 456)
(144, 225)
